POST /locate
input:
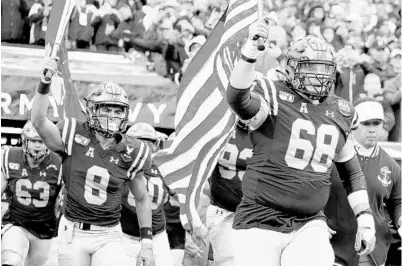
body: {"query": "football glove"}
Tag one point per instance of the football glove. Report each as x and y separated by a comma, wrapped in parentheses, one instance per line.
(365, 236)
(49, 68)
(146, 255)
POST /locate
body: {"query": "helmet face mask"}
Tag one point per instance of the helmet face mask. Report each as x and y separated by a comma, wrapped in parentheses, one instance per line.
(32, 144)
(311, 68)
(107, 109)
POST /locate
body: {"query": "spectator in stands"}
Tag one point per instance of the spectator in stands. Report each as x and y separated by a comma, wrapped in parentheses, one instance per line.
(373, 89)
(350, 75)
(105, 21)
(392, 93)
(130, 27)
(379, 62)
(38, 18)
(13, 14)
(80, 30)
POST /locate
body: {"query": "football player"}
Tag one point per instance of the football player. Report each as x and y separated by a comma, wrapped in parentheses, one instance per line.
(298, 130)
(159, 194)
(32, 176)
(98, 163)
(226, 193)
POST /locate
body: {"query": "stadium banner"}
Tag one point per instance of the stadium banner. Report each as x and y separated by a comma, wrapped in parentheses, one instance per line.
(151, 104)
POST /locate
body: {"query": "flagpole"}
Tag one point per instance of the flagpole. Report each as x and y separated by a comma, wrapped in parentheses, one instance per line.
(261, 41)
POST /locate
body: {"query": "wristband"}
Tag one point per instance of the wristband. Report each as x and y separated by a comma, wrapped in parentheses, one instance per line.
(248, 60)
(43, 88)
(146, 233)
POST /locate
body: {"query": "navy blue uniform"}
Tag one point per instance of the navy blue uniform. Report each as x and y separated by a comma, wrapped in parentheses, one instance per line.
(287, 182)
(96, 178)
(227, 176)
(158, 192)
(32, 191)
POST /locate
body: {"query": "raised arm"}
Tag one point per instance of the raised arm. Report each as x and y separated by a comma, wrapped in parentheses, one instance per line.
(46, 129)
(246, 104)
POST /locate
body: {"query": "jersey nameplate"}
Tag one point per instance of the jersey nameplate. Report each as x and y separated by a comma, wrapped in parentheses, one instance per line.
(344, 108)
(81, 140)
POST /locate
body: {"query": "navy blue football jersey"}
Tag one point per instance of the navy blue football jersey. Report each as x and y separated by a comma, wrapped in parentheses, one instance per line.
(226, 179)
(287, 181)
(96, 178)
(158, 192)
(32, 191)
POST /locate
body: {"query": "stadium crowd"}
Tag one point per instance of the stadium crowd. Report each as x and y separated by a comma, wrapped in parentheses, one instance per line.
(364, 35)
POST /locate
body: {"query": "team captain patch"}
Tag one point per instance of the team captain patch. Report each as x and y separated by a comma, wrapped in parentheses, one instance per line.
(344, 108)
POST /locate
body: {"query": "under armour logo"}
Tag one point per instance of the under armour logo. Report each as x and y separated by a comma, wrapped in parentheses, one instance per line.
(113, 160)
(42, 173)
(329, 113)
(65, 228)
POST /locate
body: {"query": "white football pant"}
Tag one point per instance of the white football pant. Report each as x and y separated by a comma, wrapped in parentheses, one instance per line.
(161, 248)
(101, 246)
(20, 247)
(308, 246)
(219, 223)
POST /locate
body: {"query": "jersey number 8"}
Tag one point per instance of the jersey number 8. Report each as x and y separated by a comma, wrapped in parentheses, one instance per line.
(25, 198)
(301, 152)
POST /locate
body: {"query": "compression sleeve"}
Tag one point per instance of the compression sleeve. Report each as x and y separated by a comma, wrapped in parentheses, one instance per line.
(354, 182)
(244, 103)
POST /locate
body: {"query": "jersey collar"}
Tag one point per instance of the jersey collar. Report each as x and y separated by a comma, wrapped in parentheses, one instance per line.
(362, 151)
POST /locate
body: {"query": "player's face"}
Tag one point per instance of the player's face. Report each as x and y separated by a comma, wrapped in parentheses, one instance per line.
(316, 75)
(36, 149)
(111, 116)
(368, 133)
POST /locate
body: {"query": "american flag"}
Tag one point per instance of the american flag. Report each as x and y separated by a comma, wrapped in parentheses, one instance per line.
(204, 121)
(62, 87)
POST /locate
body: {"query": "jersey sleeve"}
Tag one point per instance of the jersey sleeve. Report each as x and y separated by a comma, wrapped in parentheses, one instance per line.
(355, 120)
(347, 152)
(141, 161)
(265, 90)
(67, 129)
(394, 202)
(4, 163)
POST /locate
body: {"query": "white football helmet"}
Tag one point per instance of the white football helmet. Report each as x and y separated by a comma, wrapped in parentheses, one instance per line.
(32, 143)
(310, 67)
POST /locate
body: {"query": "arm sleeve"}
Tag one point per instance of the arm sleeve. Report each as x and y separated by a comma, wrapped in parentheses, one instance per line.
(67, 129)
(394, 201)
(141, 161)
(254, 104)
(354, 183)
(4, 162)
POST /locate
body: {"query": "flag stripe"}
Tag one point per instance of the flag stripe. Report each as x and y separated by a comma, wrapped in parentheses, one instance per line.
(204, 121)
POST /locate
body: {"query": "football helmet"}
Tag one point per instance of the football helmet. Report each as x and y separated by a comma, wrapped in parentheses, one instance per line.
(310, 68)
(145, 132)
(36, 150)
(107, 94)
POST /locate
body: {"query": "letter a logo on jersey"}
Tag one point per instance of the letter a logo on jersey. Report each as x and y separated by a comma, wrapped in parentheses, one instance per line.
(24, 172)
(90, 152)
(303, 108)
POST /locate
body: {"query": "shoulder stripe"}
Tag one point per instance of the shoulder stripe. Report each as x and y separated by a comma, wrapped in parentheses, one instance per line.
(59, 177)
(274, 97)
(65, 130)
(4, 168)
(266, 94)
(144, 159)
(70, 137)
(137, 158)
